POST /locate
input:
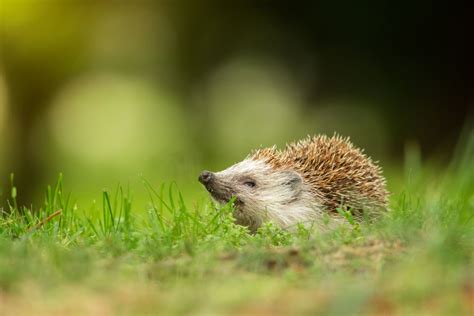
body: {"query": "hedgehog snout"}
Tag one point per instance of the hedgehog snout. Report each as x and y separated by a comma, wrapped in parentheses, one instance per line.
(205, 177)
(220, 190)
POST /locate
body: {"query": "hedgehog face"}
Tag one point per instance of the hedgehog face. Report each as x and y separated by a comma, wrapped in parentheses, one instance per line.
(261, 192)
(305, 182)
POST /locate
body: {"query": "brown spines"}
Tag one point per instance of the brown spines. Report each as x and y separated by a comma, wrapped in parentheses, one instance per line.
(337, 172)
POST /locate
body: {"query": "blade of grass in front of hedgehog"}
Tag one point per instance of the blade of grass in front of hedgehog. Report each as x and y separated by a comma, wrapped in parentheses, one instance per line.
(108, 215)
(198, 228)
(158, 211)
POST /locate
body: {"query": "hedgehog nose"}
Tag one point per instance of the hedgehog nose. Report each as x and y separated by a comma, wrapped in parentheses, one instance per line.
(205, 177)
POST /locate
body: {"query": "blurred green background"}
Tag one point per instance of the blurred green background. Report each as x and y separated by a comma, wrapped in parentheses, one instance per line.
(109, 91)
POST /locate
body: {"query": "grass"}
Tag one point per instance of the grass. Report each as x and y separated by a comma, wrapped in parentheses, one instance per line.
(175, 259)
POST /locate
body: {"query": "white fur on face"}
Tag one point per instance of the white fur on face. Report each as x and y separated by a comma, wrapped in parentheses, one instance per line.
(279, 196)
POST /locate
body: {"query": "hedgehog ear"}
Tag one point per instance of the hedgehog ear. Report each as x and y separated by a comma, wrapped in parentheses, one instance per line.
(292, 179)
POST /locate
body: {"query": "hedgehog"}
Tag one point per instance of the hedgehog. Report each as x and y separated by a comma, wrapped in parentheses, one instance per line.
(310, 181)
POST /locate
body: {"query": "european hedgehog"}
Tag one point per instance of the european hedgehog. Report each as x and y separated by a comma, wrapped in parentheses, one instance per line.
(305, 183)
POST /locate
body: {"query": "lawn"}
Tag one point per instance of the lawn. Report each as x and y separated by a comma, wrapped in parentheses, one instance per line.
(181, 257)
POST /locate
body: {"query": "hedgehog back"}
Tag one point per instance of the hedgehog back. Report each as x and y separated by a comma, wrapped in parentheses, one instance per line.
(337, 172)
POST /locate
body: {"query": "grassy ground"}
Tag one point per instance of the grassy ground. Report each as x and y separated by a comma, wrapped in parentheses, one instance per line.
(175, 259)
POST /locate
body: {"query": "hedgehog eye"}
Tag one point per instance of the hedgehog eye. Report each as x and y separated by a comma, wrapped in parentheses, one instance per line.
(250, 183)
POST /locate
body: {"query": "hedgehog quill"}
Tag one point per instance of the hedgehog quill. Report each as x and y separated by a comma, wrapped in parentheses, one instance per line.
(305, 183)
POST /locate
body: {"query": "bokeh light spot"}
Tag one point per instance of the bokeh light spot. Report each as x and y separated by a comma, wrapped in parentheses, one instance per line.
(252, 104)
(114, 119)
